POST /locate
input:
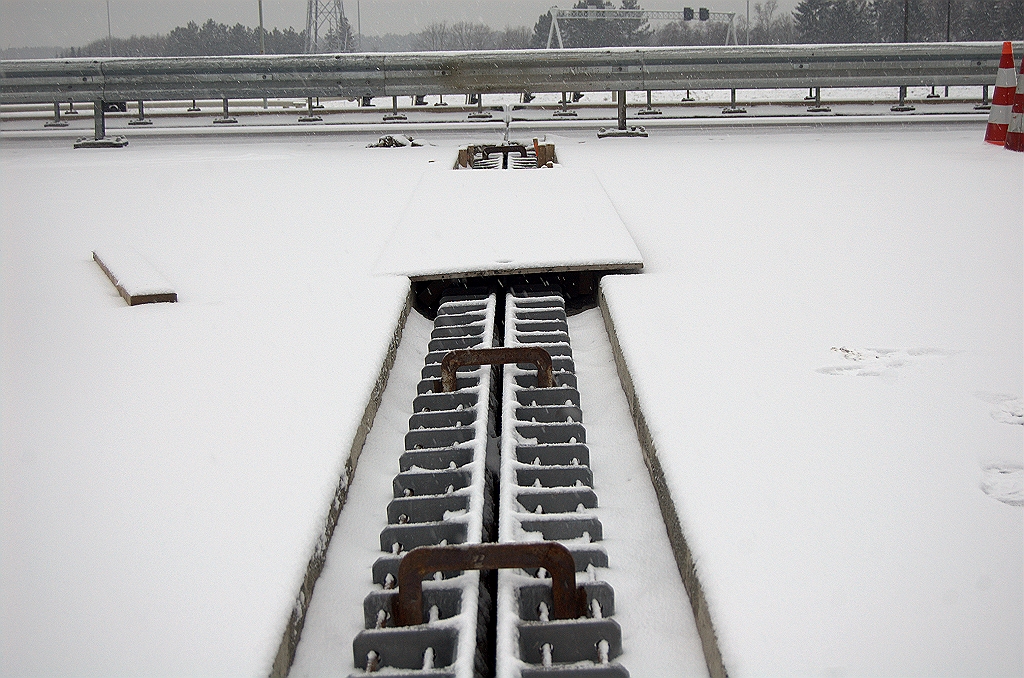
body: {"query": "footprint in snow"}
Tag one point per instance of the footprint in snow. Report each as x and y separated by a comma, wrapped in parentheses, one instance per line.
(1009, 409)
(1004, 482)
(875, 362)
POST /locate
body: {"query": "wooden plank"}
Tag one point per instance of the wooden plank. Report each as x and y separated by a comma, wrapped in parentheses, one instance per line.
(135, 279)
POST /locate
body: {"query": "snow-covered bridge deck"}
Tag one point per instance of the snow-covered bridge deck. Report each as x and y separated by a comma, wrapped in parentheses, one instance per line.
(826, 343)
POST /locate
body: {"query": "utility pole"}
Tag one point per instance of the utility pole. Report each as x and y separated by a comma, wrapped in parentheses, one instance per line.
(263, 44)
(748, 22)
(948, 3)
(359, 26)
(110, 38)
(906, 20)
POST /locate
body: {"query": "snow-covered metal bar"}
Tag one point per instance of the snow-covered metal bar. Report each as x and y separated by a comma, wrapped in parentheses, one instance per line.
(393, 74)
(546, 489)
(441, 497)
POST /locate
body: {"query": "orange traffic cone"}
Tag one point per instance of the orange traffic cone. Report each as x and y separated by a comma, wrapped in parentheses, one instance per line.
(1015, 132)
(1002, 98)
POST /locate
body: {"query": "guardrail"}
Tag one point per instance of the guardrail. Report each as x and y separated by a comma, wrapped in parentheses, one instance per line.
(404, 74)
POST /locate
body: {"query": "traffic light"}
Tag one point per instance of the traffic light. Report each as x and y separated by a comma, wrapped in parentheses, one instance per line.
(687, 13)
(705, 14)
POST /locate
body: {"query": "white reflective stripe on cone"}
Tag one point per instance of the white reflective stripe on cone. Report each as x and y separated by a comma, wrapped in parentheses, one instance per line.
(1000, 115)
(1006, 77)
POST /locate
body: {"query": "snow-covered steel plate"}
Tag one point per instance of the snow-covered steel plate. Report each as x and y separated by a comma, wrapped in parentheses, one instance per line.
(490, 222)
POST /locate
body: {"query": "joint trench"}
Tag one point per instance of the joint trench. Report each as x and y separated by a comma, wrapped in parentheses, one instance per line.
(501, 460)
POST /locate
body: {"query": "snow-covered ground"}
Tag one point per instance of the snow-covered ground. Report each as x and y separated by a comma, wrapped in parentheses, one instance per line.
(166, 469)
(827, 345)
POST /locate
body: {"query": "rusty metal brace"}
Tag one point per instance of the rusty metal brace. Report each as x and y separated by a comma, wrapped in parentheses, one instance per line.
(505, 150)
(570, 601)
(496, 356)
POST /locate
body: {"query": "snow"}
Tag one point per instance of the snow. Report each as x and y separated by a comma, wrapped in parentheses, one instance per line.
(651, 606)
(487, 221)
(166, 469)
(834, 492)
(335, 613)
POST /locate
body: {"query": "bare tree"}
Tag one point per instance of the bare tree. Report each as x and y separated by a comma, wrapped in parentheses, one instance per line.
(513, 38)
(762, 29)
(686, 33)
(433, 38)
(465, 35)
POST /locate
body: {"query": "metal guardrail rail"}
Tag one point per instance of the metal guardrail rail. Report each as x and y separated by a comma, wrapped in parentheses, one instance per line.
(428, 73)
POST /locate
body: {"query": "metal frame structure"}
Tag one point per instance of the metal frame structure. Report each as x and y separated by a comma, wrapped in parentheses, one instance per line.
(321, 17)
(555, 32)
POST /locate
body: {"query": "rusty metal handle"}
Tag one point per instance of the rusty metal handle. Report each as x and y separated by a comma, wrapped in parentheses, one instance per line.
(570, 602)
(504, 150)
(496, 356)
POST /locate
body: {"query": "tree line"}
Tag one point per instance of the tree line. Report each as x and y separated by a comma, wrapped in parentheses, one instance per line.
(925, 20)
(210, 39)
(813, 21)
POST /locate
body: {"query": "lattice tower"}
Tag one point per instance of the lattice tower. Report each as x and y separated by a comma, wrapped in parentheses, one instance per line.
(326, 27)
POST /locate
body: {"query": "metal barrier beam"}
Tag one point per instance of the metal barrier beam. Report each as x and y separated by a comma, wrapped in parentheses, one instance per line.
(404, 74)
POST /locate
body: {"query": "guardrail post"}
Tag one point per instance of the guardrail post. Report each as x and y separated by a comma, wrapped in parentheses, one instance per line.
(622, 129)
(194, 108)
(394, 115)
(817, 107)
(902, 106)
(479, 113)
(650, 110)
(99, 138)
(310, 116)
(984, 105)
(226, 118)
(56, 122)
(564, 112)
(141, 120)
(99, 121)
(732, 108)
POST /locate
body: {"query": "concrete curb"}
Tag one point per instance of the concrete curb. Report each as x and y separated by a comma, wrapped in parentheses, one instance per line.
(293, 630)
(676, 537)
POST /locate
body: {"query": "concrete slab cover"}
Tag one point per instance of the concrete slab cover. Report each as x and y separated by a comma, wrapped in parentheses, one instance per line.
(474, 223)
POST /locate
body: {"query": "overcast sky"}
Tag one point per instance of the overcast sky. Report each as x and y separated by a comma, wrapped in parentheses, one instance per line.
(71, 23)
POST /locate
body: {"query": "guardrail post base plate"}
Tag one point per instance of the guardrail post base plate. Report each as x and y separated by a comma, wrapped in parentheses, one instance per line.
(632, 131)
(106, 142)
